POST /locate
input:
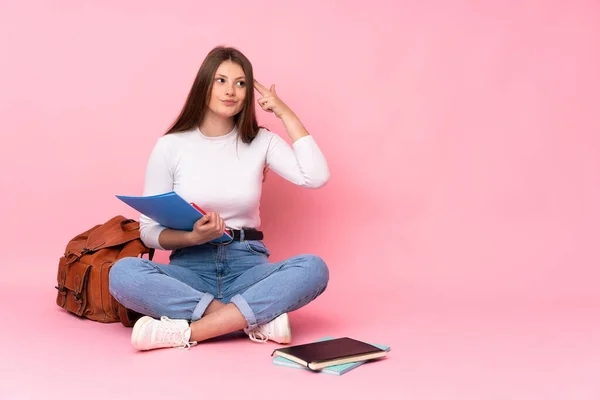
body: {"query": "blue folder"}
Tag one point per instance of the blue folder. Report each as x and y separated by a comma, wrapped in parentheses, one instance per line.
(169, 210)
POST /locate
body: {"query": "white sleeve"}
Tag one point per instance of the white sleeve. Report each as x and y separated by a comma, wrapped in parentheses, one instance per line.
(159, 179)
(302, 164)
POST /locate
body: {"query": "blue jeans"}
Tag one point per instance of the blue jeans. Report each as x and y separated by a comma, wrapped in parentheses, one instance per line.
(238, 273)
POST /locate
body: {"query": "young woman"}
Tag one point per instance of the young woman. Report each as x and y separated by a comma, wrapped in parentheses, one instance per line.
(215, 155)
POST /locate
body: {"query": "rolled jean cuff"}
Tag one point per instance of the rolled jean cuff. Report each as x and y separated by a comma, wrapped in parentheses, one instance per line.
(245, 309)
(202, 305)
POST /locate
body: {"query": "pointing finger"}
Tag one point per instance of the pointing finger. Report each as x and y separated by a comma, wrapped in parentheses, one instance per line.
(260, 88)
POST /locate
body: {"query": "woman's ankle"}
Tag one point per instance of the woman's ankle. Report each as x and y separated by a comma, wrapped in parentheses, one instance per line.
(213, 306)
(225, 320)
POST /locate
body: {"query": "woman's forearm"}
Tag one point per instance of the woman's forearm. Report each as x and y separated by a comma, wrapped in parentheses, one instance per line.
(293, 126)
(171, 239)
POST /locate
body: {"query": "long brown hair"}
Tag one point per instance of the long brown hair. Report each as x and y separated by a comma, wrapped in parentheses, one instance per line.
(194, 109)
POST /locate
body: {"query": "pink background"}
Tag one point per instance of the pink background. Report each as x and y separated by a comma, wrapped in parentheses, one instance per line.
(460, 224)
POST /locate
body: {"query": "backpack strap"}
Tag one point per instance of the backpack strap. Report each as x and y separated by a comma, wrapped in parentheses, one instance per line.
(115, 232)
(113, 235)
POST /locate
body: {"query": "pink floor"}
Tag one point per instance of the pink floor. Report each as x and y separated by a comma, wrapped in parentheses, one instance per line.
(440, 350)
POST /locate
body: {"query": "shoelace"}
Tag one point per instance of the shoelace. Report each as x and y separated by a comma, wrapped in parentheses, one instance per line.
(172, 331)
(258, 336)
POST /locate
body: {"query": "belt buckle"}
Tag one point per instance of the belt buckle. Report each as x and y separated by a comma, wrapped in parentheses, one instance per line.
(223, 243)
(231, 234)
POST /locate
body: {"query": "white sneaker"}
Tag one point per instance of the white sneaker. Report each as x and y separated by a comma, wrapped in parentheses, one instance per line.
(149, 333)
(278, 330)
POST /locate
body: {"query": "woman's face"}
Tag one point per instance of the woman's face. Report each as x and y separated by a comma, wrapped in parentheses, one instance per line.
(228, 90)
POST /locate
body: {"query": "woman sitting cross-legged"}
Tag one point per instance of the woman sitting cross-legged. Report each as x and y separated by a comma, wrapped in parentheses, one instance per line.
(216, 155)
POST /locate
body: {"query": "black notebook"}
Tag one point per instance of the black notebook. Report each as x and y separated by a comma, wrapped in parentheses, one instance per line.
(318, 355)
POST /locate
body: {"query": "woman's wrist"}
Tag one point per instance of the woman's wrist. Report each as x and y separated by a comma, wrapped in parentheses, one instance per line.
(193, 239)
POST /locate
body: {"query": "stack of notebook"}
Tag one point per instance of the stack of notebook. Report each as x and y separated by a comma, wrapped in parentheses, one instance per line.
(329, 355)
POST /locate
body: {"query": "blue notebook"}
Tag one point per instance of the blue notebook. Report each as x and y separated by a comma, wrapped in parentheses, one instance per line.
(169, 210)
(333, 370)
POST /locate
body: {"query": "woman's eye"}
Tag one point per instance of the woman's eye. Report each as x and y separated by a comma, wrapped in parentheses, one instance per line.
(241, 83)
(220, 80)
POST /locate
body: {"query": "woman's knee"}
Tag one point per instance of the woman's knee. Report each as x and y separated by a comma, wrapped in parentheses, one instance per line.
(122, 273)
(316, 269)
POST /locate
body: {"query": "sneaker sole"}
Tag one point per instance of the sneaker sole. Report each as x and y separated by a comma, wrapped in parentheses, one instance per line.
(286, 322)
(145, 320)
